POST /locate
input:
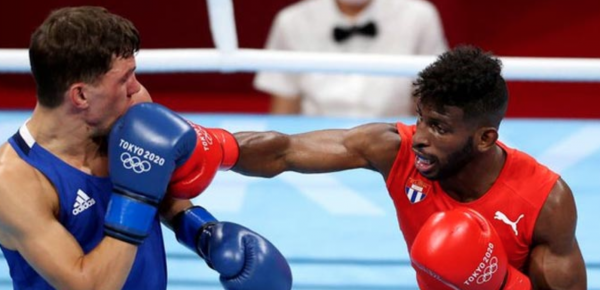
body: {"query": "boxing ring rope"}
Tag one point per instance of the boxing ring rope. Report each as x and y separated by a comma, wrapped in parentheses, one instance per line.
(228, 58)
(251, 60)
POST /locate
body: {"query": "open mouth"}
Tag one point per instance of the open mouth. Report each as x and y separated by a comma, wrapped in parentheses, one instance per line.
(423, 163)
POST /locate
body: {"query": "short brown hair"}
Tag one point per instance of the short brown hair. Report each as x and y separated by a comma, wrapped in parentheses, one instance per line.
(77, 44)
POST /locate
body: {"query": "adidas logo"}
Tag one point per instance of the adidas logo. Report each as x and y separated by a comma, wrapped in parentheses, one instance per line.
(82, 202)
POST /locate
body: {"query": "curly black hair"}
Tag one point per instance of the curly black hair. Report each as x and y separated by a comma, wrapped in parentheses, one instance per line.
(468, 78)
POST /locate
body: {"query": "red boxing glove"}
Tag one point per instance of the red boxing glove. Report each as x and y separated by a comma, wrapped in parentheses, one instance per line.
(215, 149)
(459, 249)
(229, 145)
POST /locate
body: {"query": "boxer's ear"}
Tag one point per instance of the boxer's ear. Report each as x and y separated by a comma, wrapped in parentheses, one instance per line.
(76, 95)
(485, 138)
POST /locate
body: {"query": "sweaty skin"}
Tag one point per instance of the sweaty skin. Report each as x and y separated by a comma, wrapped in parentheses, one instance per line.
(555, 259)
(40, 238)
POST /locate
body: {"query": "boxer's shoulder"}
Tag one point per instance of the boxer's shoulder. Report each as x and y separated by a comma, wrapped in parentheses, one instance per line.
(23, 189)
(14, 171)
(379, 143)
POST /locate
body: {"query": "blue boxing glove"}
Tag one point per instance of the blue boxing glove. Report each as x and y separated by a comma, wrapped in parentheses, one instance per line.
(144, 148)
(244, 259)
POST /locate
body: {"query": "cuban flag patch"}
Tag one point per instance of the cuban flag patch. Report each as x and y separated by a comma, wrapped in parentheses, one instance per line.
(416, 190)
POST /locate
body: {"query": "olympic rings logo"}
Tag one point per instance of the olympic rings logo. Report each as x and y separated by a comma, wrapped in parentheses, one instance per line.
(489, 271)
(135, 163)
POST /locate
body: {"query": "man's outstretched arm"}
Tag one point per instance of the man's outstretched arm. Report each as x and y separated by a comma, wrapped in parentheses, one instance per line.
(372, 146)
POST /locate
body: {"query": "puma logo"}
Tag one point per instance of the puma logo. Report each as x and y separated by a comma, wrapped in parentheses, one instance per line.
(500, 216)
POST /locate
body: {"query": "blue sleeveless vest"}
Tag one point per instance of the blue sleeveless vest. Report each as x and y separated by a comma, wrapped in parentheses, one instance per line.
(83, 201)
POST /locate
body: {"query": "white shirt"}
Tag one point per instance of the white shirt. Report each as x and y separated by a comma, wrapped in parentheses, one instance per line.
(404, 27)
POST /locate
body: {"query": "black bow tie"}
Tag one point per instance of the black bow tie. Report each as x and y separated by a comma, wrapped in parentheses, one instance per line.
(341, 34)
